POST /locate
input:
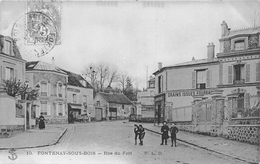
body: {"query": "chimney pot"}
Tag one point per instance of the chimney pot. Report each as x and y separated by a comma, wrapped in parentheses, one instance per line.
(159, 65)
(211, 52)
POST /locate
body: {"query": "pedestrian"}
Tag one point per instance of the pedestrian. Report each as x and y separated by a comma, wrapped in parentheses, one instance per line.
(71, 117)
(136, 131)
(164, 131)
(41, 122)
(141, 134)
(174, 130)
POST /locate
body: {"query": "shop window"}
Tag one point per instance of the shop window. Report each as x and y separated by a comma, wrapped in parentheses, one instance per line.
(9, 73)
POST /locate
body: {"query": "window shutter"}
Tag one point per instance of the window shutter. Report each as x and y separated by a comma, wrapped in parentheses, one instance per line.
(257, 71)
(63, 91)
(63, 109)
(49, 89)
(48, 109)
(247, 72)
(230, 74)
(247, 100)
(55, 105)
(221, 73)
(193, 79)
(208, 83)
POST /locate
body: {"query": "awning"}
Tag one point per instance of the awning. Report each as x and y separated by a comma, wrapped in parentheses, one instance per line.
(76, 107)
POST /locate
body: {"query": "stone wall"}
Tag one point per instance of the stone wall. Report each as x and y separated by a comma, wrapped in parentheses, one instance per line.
(244, 133)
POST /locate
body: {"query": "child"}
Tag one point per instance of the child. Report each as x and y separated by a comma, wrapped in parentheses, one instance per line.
(136, 131)
(173, 131)
(141, 134)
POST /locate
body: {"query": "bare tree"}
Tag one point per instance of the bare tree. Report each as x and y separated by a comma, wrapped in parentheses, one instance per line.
(112, 75)
(102, 75)
(122, 80)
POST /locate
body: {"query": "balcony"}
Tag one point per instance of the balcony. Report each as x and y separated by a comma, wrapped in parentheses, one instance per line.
(238, 82)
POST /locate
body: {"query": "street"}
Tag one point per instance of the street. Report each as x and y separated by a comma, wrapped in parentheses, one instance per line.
(112, 142)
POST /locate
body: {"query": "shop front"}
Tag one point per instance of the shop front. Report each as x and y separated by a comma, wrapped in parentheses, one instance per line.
(159, 114)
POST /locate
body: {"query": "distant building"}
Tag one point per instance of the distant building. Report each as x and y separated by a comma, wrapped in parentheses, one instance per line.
(79, 95)
(52, 81)
(145, 101)
(110, 106)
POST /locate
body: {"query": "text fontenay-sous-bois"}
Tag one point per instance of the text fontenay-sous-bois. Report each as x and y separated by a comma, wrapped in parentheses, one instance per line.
(79, 153)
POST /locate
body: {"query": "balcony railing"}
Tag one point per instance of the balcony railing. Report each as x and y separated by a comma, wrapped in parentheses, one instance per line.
(241, 81)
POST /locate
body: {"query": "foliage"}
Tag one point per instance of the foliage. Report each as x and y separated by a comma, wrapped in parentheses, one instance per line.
(14, 88)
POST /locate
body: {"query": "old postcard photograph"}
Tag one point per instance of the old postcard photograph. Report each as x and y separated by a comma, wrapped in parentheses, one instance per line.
(129, 82)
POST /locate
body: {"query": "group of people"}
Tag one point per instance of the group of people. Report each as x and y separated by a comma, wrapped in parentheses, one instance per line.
(139, 133)
(165, 130)
(165, 133)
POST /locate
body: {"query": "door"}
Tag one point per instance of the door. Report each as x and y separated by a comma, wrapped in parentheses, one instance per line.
(98, 115)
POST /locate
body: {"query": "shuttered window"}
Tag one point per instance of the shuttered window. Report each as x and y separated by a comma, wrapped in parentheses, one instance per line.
(208, 84)
(220, 73)
(230, 70)
(247, 72)
(257, 71)
(44, 107)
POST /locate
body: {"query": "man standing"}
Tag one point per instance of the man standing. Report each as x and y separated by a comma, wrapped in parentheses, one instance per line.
(164, 131)
(136, 131)
(174, 130)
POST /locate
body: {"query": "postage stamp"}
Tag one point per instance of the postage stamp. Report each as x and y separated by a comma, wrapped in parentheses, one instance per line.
(52, 10)
(35, 33)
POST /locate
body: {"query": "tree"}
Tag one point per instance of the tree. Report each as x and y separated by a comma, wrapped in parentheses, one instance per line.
(122, 80)
(16, 88)
(129, 90)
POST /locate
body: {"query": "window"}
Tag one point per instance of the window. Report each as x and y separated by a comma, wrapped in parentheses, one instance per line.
(43, 88)
(9, 73)
(201, 79)
(238, 74)
(44, 108)
(123, 106)
(85, 98)
(60, 109)
(98, 103)
(7, 47)
(59, 89)
(160, 85)
(239, 45)
(74, 98)
(240, 102)
(151, 84)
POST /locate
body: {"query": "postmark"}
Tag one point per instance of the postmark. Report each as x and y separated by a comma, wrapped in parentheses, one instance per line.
(35, 33)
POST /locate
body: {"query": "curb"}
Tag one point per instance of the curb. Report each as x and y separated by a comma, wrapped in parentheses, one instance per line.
(55, 141)
(205, 148)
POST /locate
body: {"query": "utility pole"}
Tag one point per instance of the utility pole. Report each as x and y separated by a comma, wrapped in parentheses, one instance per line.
(146, 78)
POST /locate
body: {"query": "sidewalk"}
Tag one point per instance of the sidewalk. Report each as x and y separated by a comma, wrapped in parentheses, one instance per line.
(33, 138)
(243, 151)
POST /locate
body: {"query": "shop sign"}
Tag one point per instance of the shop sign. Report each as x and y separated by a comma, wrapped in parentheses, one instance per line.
(189, 93)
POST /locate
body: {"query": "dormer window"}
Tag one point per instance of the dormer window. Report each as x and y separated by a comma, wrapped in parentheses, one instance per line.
(7, 47)
(239, 45)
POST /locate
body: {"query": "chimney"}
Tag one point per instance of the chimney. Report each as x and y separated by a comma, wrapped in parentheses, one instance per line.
(224, 29)
(159, 65)
(211, 51)
(53, 63)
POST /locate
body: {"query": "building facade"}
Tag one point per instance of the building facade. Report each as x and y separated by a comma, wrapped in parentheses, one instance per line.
(145, 101)
(79, 95)
(52, 81)
(109, 106)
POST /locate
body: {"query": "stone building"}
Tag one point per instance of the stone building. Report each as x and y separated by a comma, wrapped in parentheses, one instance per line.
(79, 95)
(218, 96)
(145, 102)
(52, 81)
(12, 66)
(110, 106)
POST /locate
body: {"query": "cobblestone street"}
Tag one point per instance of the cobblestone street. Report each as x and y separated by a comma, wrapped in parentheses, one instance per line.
(112, 142)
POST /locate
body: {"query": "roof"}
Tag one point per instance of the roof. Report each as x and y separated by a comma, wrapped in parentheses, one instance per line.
(74, 80)
(42, 66)
(189, 63)
(16, 51)
(250, 30)
(117, 98)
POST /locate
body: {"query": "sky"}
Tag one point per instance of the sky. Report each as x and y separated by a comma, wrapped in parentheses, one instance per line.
(136, 35)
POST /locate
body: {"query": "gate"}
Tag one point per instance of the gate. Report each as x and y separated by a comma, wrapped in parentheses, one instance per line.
(98, 115)
(205, 116)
